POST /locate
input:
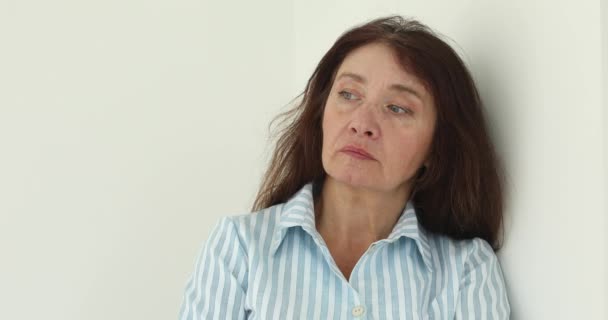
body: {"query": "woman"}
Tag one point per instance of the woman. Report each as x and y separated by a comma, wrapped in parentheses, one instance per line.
(383, 199)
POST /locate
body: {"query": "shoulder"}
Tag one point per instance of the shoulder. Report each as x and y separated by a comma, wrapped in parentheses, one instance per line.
(472, 261)
(463, 258)
(266, 216)
(233, 237)
(466, 250)
(252, 228)
(476, 270)
(477, 251)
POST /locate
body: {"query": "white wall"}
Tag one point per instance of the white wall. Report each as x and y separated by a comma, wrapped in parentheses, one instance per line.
(128, 128)
(604, 36)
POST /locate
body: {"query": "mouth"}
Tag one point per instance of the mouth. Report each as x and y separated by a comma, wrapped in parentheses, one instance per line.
(357, 153)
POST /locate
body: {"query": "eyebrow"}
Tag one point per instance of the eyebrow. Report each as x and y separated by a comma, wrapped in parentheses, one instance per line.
(395, 86)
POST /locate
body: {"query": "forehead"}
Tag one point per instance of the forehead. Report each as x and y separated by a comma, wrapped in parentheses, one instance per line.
(378, 62)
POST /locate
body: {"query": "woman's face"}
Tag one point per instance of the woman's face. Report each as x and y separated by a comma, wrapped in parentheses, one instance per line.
(378, 108)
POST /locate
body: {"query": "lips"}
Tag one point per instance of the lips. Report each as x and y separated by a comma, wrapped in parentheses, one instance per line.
(357, 152)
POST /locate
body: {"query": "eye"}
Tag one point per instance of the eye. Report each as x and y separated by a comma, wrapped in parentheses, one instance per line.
(398, 109)
(347, 95)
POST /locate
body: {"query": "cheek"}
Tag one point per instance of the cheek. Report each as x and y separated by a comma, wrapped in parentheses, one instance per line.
(326, 135)
(407, 153)
(329, 126)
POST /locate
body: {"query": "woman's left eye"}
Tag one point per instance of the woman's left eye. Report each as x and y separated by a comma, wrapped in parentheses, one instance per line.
(398, 109)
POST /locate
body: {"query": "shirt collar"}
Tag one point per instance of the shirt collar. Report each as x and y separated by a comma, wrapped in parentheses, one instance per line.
(298, 211)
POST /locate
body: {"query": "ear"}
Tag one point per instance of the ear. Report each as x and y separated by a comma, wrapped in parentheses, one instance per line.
(426, 163)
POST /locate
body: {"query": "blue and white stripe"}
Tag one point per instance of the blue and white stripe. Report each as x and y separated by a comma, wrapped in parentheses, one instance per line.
(273, 264)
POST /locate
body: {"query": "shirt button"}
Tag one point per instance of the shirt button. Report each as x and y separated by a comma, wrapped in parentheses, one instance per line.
(358, 311)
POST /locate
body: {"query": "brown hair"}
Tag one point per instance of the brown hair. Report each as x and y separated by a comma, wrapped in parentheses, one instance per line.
(460, 194)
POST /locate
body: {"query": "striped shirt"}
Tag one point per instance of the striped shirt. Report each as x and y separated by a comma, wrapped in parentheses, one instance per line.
(273, 264)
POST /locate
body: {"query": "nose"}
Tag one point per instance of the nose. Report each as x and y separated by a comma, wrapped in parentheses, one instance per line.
(364, 123)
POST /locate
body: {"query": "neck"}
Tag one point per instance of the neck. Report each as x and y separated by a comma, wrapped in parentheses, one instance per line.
(352, 216)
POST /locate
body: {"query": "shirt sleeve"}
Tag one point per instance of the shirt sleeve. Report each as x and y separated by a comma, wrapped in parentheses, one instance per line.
(217, 287)
(482, 293)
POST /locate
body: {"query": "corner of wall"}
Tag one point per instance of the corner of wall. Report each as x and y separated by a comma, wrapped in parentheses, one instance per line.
(604, 89)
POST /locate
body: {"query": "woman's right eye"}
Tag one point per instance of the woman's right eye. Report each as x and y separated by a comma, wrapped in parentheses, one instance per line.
(346, 95)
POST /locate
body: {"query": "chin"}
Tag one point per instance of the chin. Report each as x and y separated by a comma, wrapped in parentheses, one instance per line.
(355, 179)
